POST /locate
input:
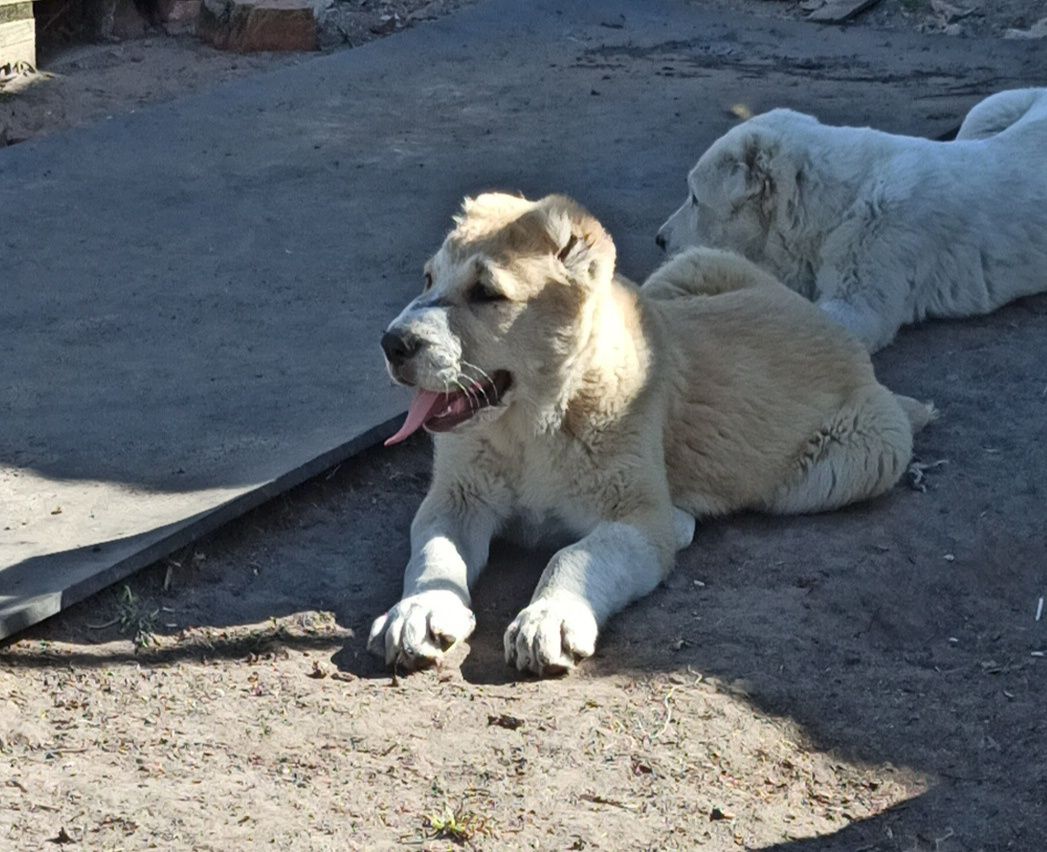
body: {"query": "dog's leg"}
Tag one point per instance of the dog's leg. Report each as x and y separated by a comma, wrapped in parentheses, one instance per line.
(584, 585)
(861, 321)
(860, 453)
(683, 526)
(865, 282)
(450, 540)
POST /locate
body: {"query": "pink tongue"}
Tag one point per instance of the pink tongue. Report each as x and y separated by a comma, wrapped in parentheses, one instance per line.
(423, 404)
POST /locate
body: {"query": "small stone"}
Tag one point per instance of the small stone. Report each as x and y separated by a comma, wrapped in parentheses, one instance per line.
(1037, 30)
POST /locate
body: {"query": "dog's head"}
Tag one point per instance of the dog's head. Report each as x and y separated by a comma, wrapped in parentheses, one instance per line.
(734, 188)
(501, 312)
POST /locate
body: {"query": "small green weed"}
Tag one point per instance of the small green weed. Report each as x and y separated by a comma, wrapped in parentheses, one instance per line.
(135, 619)
(460, 826)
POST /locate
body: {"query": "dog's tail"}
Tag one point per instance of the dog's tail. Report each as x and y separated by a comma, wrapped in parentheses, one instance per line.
(919, 413)
(1002, 110)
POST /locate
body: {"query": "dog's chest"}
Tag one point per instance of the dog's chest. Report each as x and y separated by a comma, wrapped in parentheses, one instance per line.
(545, 490)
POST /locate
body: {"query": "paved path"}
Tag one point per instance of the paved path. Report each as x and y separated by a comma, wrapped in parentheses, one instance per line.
(192, 295)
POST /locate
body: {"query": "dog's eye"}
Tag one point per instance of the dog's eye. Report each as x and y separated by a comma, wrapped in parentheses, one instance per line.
(480, 292)
(428, 281)
(694, 200)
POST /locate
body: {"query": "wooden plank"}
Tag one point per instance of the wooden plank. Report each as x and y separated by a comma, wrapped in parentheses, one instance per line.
(15, 11)
(838, 11)
(18, 42)
(17, 32)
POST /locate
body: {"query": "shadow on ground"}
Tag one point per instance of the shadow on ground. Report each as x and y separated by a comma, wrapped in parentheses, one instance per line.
(898, 632)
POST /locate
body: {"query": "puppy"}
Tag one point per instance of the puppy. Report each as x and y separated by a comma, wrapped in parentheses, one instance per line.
(561, 395)
(881, 230)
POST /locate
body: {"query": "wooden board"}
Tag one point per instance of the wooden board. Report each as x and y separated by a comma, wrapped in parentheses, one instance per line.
(17, 32)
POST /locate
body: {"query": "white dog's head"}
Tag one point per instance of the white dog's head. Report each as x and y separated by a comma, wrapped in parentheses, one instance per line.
(502, 310)
(735, 188)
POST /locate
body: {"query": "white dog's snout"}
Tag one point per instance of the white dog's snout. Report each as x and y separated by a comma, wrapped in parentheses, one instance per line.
(420, 347)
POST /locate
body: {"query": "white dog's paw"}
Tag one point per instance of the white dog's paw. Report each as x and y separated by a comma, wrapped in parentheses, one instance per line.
(420, 628)
(551, 635)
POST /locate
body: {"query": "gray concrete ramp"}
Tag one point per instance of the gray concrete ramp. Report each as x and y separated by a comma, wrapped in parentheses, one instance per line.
(191, 296)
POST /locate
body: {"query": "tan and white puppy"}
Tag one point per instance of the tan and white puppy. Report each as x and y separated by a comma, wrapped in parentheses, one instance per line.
(881, 230)
(560, 394)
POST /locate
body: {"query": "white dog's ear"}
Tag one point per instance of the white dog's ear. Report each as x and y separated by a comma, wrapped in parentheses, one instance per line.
(749, 176)
(579, 241)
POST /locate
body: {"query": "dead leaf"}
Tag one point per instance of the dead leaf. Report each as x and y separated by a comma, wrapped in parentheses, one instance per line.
(505, 721)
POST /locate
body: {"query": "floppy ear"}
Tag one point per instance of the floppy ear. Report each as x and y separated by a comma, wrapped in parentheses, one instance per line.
(579, 242)
(750, 176)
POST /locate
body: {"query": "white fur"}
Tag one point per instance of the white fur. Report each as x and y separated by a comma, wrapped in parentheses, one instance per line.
(881, 230)
(631, 411)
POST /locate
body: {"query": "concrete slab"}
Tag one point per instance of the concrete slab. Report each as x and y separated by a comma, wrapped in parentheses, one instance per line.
(192, 295)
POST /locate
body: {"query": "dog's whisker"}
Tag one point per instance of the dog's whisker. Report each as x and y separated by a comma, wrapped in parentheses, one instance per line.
(479, 370)
(477, 384)
(473, 404)
(482, 385)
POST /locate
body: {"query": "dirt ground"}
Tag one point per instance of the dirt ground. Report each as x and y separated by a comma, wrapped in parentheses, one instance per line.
(82, 83)
(874, 679)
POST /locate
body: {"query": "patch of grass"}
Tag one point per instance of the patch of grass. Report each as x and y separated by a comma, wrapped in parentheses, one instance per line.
(135, 619)
(457, 825)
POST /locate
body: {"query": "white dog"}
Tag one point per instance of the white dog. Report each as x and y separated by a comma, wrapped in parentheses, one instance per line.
(881, 230)
(561, 395)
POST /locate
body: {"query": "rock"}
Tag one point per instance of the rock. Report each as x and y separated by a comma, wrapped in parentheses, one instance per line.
(178, 16)
(1037, 30)
(247, 26)
(839, 11)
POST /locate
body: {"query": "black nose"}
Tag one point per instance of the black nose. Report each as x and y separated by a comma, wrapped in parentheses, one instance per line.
(660, 240)
(399, 346)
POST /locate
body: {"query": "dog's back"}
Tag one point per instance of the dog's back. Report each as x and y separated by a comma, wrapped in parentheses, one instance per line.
(755, 370)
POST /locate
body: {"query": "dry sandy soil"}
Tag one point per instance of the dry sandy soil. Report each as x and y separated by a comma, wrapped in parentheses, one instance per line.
(83, 83)
(872, 679)
(879, 688)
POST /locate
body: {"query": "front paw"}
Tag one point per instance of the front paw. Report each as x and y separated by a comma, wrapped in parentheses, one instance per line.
(551, 635)
(418, 630)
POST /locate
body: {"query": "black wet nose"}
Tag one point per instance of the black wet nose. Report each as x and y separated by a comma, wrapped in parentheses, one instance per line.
(398, 346)
(660, 240)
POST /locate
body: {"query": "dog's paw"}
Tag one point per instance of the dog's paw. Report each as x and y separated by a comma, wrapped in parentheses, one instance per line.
(420, 628)
(551, 635)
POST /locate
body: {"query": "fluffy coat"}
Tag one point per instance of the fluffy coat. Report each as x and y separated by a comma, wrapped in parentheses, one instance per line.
(881, 230)
(615, 414)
